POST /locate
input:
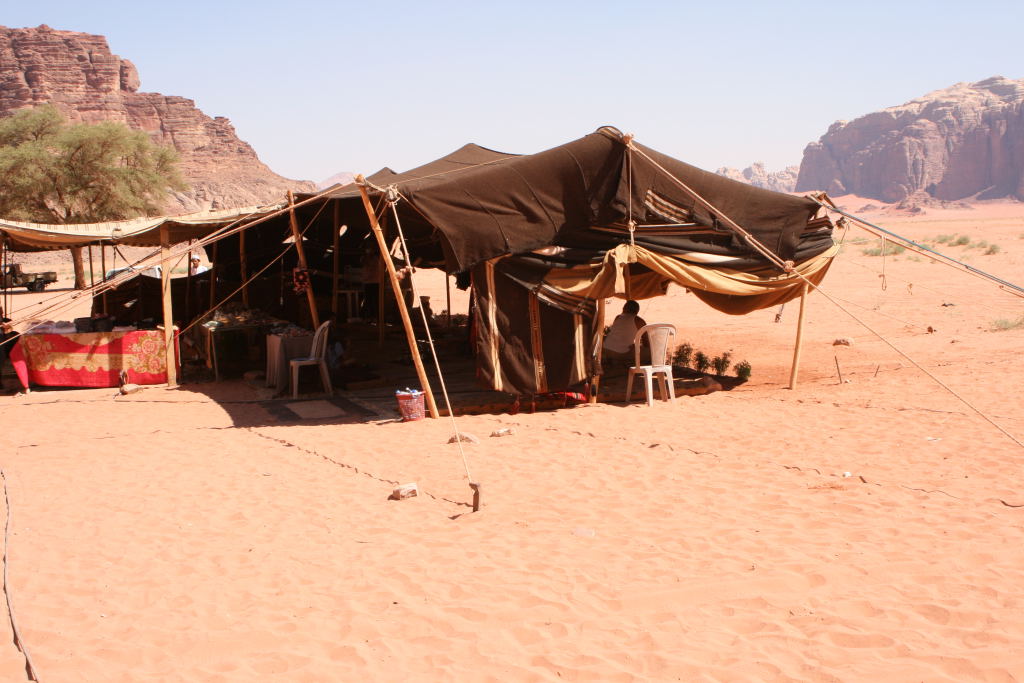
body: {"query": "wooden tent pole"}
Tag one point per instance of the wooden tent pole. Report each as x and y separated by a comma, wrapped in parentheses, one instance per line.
(799, 339)
(381, 293)
(595, 383)
(399, 299)
(448, 299)
(165, 288)
(335, 245)
(213, 276)
(103, 274)
(300, 250)
(243, 267)
(92, 278)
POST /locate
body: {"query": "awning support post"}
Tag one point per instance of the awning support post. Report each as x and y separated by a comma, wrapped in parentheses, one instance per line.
(165, 289)
(103, 274)
(799, 338)
(300, 250)
(243, 267)
(410, 335)
(335, 245)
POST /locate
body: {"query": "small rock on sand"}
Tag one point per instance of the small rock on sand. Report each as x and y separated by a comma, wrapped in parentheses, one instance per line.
(464, 436)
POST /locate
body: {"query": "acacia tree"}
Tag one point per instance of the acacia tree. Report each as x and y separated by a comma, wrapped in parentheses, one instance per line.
(52, 172)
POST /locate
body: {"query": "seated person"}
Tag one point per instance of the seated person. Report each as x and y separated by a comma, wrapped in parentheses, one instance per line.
(618, 343)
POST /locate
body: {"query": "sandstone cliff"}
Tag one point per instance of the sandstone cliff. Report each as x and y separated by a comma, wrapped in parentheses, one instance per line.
(758, 176)
(960, 142)
(77, 73)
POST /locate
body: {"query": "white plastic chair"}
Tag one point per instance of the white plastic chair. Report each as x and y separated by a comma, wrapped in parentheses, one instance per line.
(316, 357)
(658, 336)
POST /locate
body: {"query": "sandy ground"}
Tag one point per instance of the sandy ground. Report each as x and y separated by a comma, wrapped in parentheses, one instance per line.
(869, 529)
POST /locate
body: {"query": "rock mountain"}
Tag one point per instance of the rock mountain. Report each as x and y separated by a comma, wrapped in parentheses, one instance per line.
(966, 141)
(77, 73)
(757, 175)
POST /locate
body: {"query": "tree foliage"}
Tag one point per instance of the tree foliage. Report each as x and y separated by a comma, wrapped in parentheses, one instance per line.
(51, 172)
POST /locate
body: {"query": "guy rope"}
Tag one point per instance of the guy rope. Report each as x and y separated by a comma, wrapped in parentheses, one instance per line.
(788, 267)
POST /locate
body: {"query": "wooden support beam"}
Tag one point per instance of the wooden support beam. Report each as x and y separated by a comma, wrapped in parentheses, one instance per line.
(336, 245)
(92, 278)
(165, 289)
(598, 345)
(381, 294)
(213, 277)
(243, 268)
(448, 299)
(396, 287)
(103, 276)
(799, 339)
(300, 250)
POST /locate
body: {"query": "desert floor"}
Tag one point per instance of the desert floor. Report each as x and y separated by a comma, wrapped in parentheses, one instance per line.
(870, 529)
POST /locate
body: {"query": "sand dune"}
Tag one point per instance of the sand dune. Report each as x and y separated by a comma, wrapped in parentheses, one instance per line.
(870, 529)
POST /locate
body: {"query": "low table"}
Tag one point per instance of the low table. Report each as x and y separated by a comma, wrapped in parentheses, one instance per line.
(280, 350)
(91, 359)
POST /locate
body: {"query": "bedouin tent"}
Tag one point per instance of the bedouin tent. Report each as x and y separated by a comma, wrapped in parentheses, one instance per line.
(547, 237)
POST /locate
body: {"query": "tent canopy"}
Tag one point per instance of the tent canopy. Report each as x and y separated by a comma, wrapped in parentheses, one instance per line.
(138, 232)
(583, 195)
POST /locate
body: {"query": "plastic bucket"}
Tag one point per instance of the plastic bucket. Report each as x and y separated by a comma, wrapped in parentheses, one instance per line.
(410, 406)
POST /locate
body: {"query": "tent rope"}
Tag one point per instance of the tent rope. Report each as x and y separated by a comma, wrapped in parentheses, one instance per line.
(882, 274)
(922, 249)
(155, 257)
(19, 642)
(392, 199)
(787, 266)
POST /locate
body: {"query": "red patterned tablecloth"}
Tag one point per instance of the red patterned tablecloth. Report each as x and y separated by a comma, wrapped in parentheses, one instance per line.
(91, 359)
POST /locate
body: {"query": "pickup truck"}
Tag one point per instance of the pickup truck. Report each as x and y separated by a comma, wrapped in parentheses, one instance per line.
(13, 276)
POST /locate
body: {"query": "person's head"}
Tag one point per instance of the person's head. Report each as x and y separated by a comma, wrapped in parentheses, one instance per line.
(631, 307)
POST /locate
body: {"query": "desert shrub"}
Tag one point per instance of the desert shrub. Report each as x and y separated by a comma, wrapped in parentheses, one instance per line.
(721, 363)
(993, 249)
(891, 249)
(742, 370)
(701, 362)
(980, 244)
(961, 241)
(944, 239)
(1003, 324)
(683, 355)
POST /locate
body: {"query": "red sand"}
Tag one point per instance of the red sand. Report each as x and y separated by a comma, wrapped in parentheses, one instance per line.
(720, 538)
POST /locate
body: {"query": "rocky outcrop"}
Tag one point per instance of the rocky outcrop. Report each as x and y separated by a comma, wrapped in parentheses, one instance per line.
(758, 176)
(77, 73)
(342, 178)
(961, 142)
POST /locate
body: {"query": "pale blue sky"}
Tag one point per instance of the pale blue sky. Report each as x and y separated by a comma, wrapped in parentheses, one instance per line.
(320, 87)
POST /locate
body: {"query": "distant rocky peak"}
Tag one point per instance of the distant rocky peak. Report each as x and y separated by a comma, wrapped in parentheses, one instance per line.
(78, 74)
(959, 142)
(757, 175)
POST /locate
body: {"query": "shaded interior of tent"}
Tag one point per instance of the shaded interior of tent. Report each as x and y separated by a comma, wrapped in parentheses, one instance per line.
(542, 240)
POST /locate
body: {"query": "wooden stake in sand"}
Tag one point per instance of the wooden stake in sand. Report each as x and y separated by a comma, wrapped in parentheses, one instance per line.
(838, 370)
(410, 335)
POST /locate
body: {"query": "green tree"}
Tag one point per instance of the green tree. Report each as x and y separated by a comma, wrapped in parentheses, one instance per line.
(52, 172)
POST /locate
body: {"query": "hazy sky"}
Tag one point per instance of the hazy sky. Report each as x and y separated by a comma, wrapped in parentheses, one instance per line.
(321, 87)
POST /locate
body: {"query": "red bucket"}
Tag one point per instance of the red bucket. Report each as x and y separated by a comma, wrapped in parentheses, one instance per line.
(410, 405)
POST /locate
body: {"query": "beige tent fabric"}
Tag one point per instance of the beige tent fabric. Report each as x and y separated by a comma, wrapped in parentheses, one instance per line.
(139, 232)
(727, 290)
